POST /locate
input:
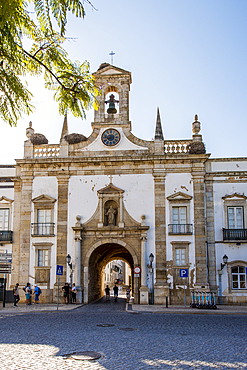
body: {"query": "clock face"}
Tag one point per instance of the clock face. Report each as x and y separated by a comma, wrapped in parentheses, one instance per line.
(110, 137)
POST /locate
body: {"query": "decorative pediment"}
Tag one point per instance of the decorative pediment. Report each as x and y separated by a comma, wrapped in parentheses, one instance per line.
(5, 200)
(44, 199)
(110, 189)
(235, 196)
(109, 69)
(179, 196)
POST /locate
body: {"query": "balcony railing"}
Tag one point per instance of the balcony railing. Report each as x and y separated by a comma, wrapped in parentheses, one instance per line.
(180, 229)
(40, 229)
(235, 234)
(6, 236)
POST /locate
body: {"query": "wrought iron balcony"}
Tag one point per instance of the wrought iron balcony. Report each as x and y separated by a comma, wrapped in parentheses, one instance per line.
(235, 234)
(180, 228)
(6, 236)
(42, 229)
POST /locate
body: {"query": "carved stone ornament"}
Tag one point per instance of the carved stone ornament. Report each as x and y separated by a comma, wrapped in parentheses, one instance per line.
(196, 126)
(29, 131)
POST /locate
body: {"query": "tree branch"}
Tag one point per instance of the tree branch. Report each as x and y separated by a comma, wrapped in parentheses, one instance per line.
(43, 65)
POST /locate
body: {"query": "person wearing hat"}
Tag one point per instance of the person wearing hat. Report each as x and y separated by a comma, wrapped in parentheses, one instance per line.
(36, 294)
(16, 294)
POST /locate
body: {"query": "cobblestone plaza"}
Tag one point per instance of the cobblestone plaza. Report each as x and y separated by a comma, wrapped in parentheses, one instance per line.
(41, 340)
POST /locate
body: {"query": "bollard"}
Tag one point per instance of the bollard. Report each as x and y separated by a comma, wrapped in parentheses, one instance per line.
(166, 302)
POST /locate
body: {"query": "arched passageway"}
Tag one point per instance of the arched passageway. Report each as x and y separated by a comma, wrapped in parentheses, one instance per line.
(99, 258)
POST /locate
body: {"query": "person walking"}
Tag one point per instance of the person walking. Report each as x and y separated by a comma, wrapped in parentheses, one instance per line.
(37, 292)
(65, 290)
(107, 293)
(128, 294)
(73, 291)
(16, 294)
(115, 290)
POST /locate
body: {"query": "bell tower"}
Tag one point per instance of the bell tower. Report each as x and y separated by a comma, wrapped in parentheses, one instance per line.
(114, 84)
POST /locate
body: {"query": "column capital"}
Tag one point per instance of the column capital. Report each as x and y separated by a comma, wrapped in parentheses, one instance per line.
(27, 178)
(63, 177)
(159, 173)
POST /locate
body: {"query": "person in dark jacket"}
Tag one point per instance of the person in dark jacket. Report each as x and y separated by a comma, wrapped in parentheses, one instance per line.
(115, 290)
(65, 290)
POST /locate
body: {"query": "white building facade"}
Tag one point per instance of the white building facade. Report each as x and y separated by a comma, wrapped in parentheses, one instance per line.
(113, 196)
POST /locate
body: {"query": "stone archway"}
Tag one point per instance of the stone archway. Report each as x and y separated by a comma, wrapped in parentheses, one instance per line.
(97, 258)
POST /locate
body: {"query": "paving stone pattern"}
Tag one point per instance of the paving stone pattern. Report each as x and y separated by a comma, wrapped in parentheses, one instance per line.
(40, 340)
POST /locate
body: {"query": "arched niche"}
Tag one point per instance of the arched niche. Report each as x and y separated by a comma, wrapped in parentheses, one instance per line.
(111, 99)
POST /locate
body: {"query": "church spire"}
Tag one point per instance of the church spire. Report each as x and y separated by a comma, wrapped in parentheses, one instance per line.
(65, 130)
(158, 129)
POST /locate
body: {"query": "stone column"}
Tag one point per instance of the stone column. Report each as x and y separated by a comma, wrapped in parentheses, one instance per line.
(62, 224)
(16, 231)
(77, 253)
(85, 290)
(143, 288)
(161, 288)
(198, 174)
(210, 234)
(101, 213)
(121, 223)
(25, 229)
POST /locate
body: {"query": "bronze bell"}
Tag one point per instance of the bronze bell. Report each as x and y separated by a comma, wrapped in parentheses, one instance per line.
(112, 109)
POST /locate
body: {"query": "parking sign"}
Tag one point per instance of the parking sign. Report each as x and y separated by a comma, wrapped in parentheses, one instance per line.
(183, 273)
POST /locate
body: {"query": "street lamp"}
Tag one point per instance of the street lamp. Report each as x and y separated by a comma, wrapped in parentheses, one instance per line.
(222, 265)
(68, 260)
(225, 260)
(151, 272)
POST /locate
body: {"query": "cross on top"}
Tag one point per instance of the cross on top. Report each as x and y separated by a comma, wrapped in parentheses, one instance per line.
(111, 54)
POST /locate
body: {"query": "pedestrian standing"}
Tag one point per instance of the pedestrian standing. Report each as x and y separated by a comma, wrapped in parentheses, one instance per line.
(128, 294)
(28, 294)
(65, 290)
(73, 291)
(16, 294)
(115, 290)
(107, 293)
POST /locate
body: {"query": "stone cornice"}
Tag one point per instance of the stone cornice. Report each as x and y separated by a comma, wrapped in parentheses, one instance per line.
(114, 229)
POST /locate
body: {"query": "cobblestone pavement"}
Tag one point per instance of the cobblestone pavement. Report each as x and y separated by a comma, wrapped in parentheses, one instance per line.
(140, 341)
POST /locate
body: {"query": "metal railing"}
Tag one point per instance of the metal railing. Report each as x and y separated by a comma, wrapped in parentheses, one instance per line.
(235, 234)
(6, 235)
(42, 229)
(180, 228)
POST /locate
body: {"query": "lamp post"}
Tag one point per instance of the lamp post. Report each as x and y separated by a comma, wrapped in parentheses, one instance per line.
(151, 272)
(225, 260)
(68, 260)
(222, 265)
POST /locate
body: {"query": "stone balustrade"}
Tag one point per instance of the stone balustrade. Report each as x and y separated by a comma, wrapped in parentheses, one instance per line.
(176, 146)
(46, 151)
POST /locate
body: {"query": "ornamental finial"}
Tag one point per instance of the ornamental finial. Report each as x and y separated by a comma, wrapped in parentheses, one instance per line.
(196, 126)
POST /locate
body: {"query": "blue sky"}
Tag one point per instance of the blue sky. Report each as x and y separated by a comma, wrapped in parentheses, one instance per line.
(186, 56)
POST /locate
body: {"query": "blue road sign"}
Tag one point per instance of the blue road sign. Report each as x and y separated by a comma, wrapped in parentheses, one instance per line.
(246, 270)
(183, 273)
(59, 270)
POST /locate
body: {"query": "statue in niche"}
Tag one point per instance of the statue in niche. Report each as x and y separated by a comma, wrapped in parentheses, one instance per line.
(111, 215)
